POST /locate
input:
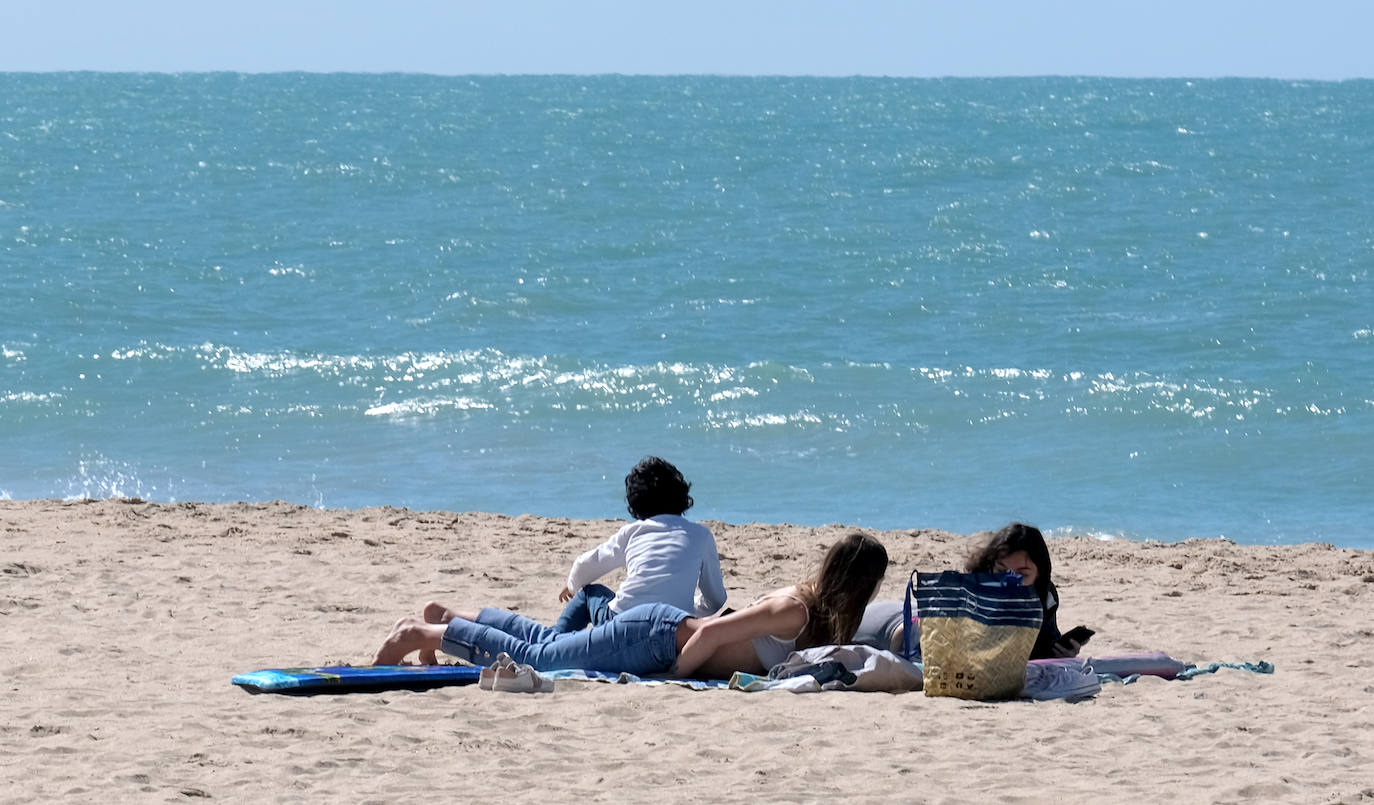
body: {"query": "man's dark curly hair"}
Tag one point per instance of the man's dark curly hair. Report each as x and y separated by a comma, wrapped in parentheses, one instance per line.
(656, 487)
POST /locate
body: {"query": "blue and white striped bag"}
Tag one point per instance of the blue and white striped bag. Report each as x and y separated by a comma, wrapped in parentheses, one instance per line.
(976, 631)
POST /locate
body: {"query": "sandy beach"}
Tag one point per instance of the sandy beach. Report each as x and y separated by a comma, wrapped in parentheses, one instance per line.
(123, 622)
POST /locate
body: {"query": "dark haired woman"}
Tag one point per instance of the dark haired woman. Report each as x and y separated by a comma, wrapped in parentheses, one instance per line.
(656, 638)
(1021, 549)
(1016, 547)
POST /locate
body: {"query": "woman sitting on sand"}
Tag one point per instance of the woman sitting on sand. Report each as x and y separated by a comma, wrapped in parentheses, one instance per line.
(658, 638)
(1017, 547)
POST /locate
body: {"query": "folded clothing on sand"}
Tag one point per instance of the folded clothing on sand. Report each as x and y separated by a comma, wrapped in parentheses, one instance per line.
(1068, 678)
(864, 668)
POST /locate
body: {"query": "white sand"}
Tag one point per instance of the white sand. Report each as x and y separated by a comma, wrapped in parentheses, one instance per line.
(123, 622)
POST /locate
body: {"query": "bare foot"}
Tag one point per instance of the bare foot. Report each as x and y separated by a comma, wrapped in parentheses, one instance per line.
(436, 612)
(406, 636)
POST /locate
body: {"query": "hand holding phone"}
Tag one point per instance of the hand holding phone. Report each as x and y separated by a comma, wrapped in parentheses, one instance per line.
(1078, 634)
(1071, 641)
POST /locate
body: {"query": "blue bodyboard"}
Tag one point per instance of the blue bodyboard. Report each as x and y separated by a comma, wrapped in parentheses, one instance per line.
(355, 678)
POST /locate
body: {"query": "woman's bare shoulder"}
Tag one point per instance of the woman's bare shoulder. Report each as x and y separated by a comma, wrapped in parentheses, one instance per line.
(791, 593)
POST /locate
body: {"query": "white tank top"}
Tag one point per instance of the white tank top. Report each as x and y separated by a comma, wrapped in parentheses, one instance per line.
(772, 649)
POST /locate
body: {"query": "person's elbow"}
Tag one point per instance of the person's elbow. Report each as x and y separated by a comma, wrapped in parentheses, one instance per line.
(710, 636)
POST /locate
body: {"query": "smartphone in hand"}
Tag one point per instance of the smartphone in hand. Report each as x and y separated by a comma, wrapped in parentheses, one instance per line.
(1078, 634)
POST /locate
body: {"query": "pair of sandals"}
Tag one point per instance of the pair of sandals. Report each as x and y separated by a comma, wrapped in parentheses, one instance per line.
(508, 676)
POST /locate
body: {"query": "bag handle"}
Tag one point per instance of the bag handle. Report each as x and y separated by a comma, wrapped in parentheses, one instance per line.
(908, 651)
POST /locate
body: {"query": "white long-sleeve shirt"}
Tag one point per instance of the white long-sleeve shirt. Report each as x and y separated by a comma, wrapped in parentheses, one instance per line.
(667, 559)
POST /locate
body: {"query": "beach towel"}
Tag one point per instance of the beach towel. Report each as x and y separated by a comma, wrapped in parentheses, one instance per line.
(871, 669)
(620, 678)
(1128, 668)
(1259, 667)
(977, 632)
(1151, 663)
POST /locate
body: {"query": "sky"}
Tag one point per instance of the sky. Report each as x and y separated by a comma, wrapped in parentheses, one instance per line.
(1314, 39)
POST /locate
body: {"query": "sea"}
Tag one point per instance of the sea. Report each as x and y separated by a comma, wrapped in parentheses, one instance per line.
(1133, 309)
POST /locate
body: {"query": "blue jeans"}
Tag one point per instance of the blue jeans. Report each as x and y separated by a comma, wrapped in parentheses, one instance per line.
(641, 640)
(590, 607)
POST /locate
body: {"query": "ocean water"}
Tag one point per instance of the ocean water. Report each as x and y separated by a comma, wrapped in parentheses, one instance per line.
(1130, 308)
